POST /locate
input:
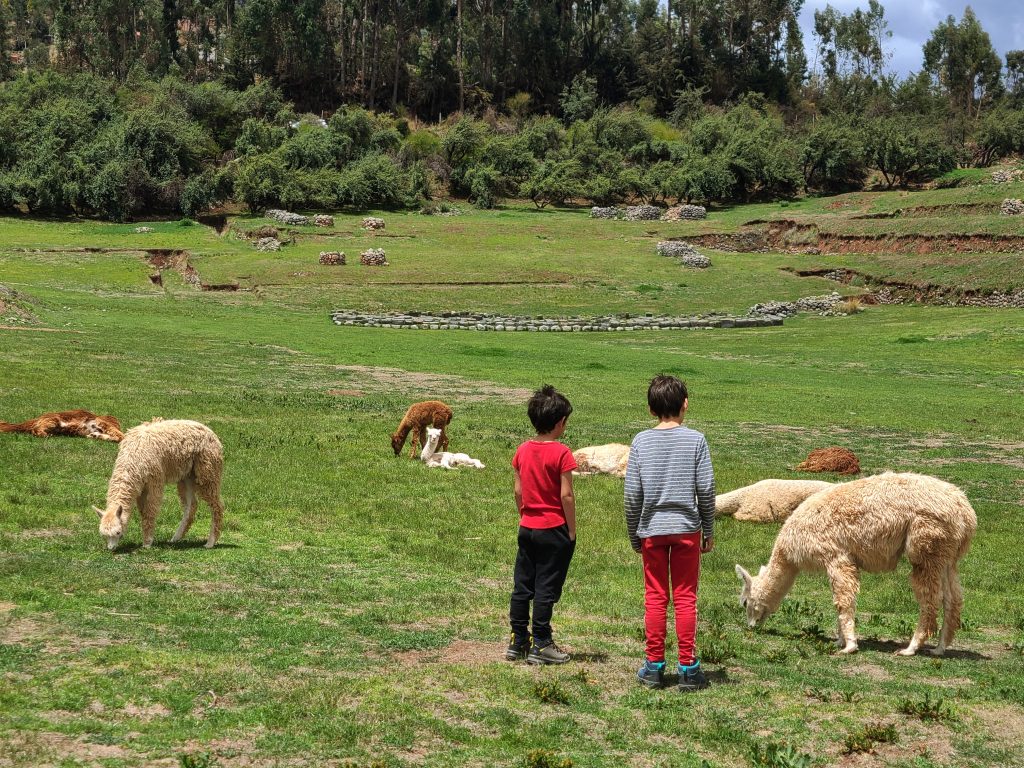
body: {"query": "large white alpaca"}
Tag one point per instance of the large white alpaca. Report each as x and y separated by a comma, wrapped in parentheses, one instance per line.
(767, 501)
(868, 525)
(434, 458)
(149, 457)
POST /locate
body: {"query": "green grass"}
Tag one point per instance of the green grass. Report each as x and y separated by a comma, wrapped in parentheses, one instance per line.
(356, 608)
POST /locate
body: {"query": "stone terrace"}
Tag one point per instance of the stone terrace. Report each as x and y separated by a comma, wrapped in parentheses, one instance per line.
(450, 321)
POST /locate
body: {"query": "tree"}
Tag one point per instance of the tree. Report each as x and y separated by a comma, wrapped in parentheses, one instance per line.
(905, 152)
(832, 157)
(961, 58)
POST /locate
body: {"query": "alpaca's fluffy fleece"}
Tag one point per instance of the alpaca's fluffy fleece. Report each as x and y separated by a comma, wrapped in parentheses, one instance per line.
(434, 458)
(869, 525)
(610, 459)
(429, 413)
(834, 459)
(152, 455)
(767, 501)
(69, 424)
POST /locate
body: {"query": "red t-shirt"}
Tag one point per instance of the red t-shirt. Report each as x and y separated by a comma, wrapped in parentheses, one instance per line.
(540, 468)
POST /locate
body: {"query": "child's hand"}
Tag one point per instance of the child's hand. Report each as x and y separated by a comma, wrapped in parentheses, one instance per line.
(572, 534)
(707, 545)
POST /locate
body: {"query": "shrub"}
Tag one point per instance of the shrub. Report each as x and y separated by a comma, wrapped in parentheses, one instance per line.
(257, 137)
(198, 194)
(259, 182)
(832, 157)
(865, 738)
(554, 182)
(928, 708)
(551, 693)
(779, 756)
(485, 186)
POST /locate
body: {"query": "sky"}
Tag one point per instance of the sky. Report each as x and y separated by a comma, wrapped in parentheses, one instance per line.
(912, 21)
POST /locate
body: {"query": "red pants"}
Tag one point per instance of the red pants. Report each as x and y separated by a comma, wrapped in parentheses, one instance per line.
(679, 555)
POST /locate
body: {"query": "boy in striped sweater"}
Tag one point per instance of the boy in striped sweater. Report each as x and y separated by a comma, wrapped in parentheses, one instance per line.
(670, 516)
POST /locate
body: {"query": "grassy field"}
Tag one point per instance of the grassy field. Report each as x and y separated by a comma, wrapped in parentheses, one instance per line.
(355, 611)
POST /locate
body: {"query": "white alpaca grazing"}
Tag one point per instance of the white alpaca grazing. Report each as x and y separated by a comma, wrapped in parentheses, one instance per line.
(434, 458)
(149, 457)
(767, 501)
(869, 525)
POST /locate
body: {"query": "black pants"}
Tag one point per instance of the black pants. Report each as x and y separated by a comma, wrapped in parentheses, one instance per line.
(541, 567)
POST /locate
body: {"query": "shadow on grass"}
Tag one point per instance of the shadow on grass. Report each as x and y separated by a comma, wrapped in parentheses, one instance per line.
(874, 644)
(590, 657)
(199, 544)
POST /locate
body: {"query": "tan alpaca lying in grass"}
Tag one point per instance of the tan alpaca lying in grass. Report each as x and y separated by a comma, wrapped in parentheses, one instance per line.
(434, 458)
(868, 525)
(152, 455)
(767, 501)
(609, 459)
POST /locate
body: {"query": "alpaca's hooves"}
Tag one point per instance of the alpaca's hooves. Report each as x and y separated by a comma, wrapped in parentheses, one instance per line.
(175, 539)
(210, 544)
(908, 651)
(147, 545)
(938, 651)
(848, 649)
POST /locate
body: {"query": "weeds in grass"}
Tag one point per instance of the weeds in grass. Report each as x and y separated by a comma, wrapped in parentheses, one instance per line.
(773, 755)
(851, 306)
(551, 692)
(1018, 646)
(197, 760)
(546, 758)
(864, 739)
(928, 708)
(716, 646)
(820, 694)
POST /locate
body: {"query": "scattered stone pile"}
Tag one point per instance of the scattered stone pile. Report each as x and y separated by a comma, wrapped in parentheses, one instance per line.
(372, 222)
(685, 252)
(374, 257)
(1005, 177)
(268, 244)
(265, 231)
(685, 213)
(332, 258)
(642, 213)
(143, 230)
(450, 321)
(286, 217)
(826, 304)
(1012, 207)
(323, 220)
(597, 212)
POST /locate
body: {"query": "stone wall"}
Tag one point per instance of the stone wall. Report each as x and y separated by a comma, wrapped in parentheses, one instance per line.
(450, 321)
(1012, 207)
(685, 213)
(323, 220)
(286, 217)
(1005, 177)
(332, 258)
(642, 213)
(686, 253)
(372, 222)
(374, 257)
(597, 212)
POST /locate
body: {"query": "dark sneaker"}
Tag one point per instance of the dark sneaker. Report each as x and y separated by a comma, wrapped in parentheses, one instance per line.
(547, 654)
(517, 649)
(650, 673)
(691, 678)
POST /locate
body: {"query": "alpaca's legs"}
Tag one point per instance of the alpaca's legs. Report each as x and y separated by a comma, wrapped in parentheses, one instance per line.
(845, 581)
(211, 495)
(927, 585)
(149, 506)
(952, 605)
(419, 439)
(187, 494)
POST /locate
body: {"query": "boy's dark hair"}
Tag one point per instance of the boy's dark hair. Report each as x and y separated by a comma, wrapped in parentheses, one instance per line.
(546, 408)
(665, 396)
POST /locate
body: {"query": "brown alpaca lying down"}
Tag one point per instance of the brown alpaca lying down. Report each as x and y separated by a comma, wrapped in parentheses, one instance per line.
(429, 413)
(834, 459)
(69, 424)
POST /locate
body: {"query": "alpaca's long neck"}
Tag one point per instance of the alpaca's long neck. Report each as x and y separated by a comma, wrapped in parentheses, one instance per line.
(430, 448)
(777, 580)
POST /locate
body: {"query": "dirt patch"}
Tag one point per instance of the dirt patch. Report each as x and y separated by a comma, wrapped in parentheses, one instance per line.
(163, 258)
(434, 384)
(21, 631)
(45, 533)
(868, 670)
(146, 712)
(14, 307)
(7, 607)
(470, 653)
(346, 392)
(46, 748)
(1004, 724)
(933, 743)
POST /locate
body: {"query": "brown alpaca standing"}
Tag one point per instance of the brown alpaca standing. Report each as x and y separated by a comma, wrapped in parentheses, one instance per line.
(429, 413)
(69, 424)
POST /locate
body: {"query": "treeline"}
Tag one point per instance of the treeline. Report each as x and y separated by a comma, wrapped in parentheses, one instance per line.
(116, 109)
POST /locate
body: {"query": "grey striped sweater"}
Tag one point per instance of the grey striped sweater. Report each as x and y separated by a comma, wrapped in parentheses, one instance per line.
(670, 485)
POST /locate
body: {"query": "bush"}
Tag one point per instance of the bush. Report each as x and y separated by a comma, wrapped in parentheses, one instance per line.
(832, 157)
(198, 194)
(554, 182)
(257, 137)
(904, 151)
(485, 186)
(259, 182)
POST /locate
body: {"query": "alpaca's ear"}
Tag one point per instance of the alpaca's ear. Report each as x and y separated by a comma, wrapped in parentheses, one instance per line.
(98, 511)
(121, 512)
(760, 573)
(743, 575)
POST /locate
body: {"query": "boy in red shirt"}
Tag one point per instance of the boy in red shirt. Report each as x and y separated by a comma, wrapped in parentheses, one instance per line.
(547, 529)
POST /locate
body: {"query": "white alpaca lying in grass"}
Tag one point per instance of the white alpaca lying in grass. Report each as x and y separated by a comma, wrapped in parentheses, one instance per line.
(767, 501)
(869, 525)
(153, 455)
(434, 458)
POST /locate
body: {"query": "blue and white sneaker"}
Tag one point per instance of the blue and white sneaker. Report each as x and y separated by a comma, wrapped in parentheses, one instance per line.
(650, 673)
(691, 677)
